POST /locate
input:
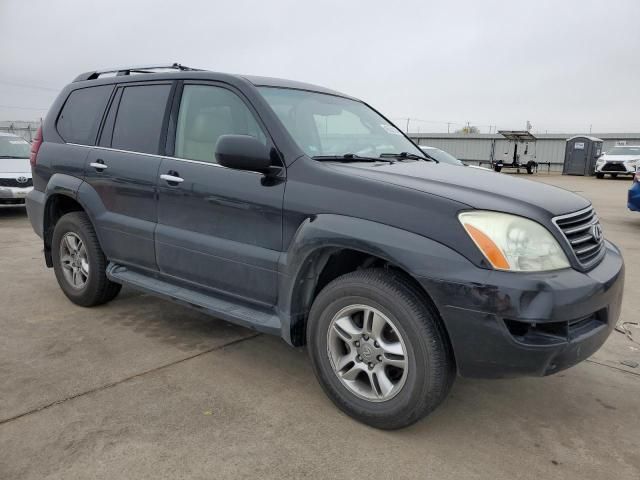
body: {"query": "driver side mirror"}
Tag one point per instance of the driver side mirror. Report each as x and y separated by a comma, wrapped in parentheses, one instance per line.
(243, 152)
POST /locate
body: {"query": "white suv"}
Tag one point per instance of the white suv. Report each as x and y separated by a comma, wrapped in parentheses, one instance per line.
(15, 170)
(620, 160)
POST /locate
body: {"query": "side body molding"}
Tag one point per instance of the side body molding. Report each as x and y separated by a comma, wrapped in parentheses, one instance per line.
(320, 236)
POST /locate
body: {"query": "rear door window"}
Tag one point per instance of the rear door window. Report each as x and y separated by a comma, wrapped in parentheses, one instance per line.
(81, 115)
(140, 118)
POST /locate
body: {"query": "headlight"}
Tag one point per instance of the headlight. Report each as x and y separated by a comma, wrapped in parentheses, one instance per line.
(513, 243)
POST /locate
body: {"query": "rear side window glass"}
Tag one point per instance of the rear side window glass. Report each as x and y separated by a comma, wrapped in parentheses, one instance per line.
(81, 115)
(206, 113)
(140, 117)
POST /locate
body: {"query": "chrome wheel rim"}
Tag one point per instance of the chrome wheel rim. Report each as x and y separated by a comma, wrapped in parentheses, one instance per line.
(367, 353)
(74, 260)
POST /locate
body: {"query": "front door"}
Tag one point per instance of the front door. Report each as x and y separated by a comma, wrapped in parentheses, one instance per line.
(123, 170)
(217, 227)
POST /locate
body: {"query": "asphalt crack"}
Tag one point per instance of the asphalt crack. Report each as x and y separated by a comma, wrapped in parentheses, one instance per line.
(126, 379)
(637, 374)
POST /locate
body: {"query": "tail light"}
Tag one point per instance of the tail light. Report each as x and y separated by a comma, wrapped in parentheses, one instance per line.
(35, 146)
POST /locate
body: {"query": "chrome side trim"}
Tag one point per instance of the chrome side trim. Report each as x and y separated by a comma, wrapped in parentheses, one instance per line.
(197, 162)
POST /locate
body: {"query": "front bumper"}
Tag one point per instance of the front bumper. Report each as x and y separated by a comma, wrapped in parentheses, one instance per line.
(515, 324)
(14, 192)
(620, 168)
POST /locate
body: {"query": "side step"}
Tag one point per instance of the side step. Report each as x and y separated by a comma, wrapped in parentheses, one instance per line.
(240, 313)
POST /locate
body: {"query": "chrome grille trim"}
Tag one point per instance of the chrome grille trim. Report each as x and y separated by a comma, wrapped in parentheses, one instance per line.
(576, 229)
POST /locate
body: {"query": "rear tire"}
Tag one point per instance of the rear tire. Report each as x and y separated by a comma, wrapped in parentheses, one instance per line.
(383, 395)
(79, 263)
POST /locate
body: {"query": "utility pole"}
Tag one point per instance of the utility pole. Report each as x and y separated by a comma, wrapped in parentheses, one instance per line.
(591, 125)
(448, 126)
(407, 130)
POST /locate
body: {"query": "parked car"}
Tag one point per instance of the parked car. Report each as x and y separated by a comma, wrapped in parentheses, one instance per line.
(303, 212)
(445, 157)
(15, 171)
(634, 193)
(620, 160)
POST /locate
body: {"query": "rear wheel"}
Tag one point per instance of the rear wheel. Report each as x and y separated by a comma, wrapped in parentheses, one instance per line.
(378, 348)
(497, 168)
(79, 263)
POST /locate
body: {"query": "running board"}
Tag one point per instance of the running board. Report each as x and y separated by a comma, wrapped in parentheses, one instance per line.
(234, 312)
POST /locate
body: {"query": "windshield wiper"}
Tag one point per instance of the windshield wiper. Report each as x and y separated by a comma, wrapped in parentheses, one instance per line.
(409, 156)
(350, 157)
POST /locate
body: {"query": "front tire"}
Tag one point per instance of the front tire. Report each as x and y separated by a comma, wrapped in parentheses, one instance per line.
(79, 263)
(599, 175)
(378, 348)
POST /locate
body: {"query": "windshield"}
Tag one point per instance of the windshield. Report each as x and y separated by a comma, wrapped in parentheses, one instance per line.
(624, 151)
(327, 125)
(442, 156)
(13, 147)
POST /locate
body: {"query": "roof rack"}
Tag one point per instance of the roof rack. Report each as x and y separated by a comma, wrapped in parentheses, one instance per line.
(137, 69)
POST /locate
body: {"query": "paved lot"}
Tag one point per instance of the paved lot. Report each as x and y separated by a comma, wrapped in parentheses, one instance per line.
(141, 388)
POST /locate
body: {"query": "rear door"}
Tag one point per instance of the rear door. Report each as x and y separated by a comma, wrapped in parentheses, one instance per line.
(218, 227)
(123, 170)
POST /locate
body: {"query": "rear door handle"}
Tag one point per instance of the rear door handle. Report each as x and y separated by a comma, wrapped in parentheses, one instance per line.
(99, 165)
(171, 178)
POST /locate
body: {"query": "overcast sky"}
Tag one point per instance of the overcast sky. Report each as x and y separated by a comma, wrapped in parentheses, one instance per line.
(563, 65)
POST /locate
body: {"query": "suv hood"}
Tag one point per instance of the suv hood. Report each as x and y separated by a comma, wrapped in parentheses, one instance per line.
(15, 166)
(478, 188)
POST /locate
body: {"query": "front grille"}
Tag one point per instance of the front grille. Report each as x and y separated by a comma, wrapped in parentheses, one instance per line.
(583, 232)
(614, 167)
(12, 182)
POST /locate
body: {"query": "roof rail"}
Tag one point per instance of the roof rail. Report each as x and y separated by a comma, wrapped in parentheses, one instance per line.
(129, 70)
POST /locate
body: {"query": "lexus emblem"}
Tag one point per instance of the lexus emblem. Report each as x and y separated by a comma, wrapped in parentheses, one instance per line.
(22, 179)
(596, 232)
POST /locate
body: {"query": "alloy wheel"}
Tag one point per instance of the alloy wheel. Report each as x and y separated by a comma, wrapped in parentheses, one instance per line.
(367, 353)
(74, 260)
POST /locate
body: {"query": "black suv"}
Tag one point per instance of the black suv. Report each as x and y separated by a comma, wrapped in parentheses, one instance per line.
(303, 212)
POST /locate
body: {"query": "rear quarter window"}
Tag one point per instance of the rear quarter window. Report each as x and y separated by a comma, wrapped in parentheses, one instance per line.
(80, 117)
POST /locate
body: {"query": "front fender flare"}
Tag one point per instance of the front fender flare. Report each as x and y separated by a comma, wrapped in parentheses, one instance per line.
(321, 235)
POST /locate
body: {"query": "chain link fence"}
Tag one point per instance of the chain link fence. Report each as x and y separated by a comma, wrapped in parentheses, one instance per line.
(26, 130)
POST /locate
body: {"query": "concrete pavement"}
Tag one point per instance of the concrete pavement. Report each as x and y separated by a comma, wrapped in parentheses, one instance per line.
(142, 388)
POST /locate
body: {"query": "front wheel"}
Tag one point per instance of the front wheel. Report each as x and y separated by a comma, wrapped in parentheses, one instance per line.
(378, 348)
(79, 263)
(599, 175)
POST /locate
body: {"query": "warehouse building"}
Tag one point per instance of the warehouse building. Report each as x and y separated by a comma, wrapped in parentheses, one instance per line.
(482, 148)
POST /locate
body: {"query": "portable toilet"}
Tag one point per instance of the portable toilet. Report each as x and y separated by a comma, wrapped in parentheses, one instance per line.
(580, 155)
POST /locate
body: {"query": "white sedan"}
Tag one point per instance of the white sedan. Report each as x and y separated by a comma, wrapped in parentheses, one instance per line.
(15, 170)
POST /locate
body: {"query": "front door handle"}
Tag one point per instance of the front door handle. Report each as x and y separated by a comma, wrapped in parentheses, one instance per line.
(98, 165)
(171, 178)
